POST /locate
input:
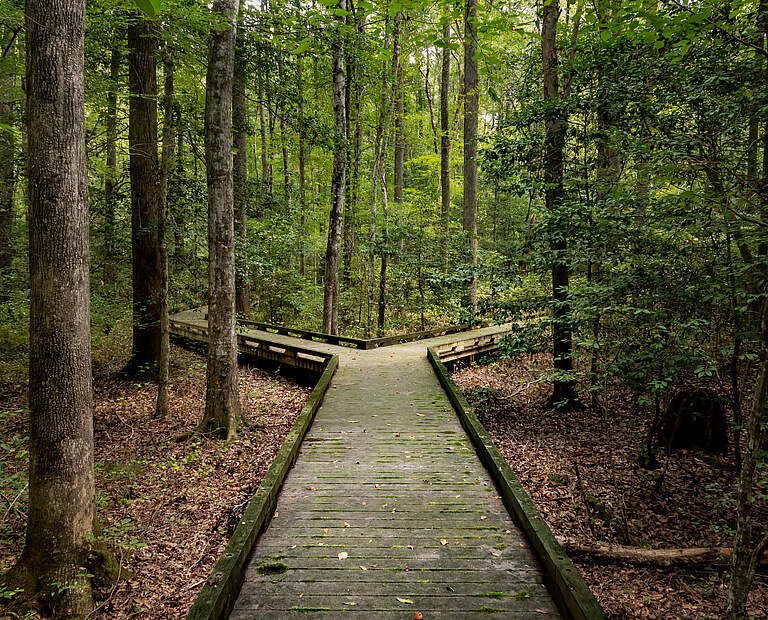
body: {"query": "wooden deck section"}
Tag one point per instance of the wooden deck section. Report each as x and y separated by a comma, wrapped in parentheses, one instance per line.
(388, 510)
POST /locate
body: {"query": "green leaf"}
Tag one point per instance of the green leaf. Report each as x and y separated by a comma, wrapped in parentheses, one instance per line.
(150, 8)
(303, 47)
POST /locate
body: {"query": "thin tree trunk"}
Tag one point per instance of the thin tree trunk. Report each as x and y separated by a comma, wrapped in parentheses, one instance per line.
(350, 187)
(399, 108)
(445, 139)
(302, 170)
(745, 551)
(283, 140)
(384, 254)
(331, 287)
(266, 179)
(221, 398)
(110, 202)
(471, 107)
(379, 152)
(178, 219)
(161, 407)
(7, 150)
(554, 144)
(240, 176)
(61, 478)
(146, 225)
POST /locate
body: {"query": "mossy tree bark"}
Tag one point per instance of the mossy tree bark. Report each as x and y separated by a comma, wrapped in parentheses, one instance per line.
(61, 477)
(221, 398)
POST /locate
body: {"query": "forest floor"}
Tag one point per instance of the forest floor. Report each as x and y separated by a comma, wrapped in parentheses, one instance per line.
(695, 506)
(167, 507)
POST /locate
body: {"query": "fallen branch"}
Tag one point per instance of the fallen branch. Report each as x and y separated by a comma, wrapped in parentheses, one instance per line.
(640, 556)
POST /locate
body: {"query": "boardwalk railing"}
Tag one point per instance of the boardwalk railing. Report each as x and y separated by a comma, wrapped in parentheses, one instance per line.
(469, 347)
(218, 595)
(572, 595)
(357, 343)
(312, 361)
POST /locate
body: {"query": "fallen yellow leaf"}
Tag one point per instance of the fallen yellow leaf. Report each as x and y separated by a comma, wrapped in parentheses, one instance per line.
(483, 517)
(363, 567)
(343, 555)
(443, 541)
(350, 603)
(405, 600)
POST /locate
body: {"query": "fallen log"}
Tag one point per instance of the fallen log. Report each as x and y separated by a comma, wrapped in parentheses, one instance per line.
(640, 556)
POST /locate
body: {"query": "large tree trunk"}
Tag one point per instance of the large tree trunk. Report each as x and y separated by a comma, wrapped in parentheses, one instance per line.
(240, 177)
(110, 203)
(746, 552)
(221, 397)
(445, 139)
(7, 150)
(146, 225)
(331, 288)
(61, 478)
(471, 107)
(554, 144)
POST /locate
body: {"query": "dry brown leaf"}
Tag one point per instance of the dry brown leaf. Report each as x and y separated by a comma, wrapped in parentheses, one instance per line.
(443, 541)
(417, 615)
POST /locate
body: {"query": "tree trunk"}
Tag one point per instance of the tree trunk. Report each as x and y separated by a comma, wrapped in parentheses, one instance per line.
(266, 179)
(7, 150)
(333, 248)
(240, 176)
(110, 203)
(283, 140)
(384, 254)
(178, 219)
(745, 552)
(302, 171)
(554, 144)
(471, 107)
(161, 407)
(445, 139)
(379, 152)
(399, 109)
(221, 397)
(61, 478)
(689, 557)
(145, 204)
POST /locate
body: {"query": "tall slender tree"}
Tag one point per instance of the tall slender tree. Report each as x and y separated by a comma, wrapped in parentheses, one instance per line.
(147, 226)
(240, 174)
(61, 476)
(110, 200)
(471, 108)
(333, 248)
(554, 145)
(7, 147)
(445, 136)
(221, 397)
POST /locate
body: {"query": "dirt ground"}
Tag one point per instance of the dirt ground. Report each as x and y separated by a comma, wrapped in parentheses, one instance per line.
(167, 507)
(693, 507)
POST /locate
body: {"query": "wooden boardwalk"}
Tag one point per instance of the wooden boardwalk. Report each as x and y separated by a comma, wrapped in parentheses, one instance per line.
(388, 510)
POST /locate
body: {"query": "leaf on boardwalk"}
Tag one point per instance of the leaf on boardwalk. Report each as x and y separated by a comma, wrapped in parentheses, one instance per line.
(443, 541)
(343, 555)
(363, 567)
(405, 600)
(350, 603)
(311, 488)
(417, 615)
(496, 553)
(347, 524)
(540, 611)
(483, 517)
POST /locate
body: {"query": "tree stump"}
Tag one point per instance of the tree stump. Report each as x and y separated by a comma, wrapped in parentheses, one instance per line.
(694, 419)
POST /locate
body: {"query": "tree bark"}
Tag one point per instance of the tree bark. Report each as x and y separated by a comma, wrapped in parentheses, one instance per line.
(445, 139)
(379, 152)
(266, 179)
(7, 151)
(745, 551)
(161, 406)
(110, 202)
(61, 477)
(240, 175)
(471, 107)
(554, 144)
(221, 398)
(283, 139)
(146, 226)
(688, 557)
(331, 288)
(399, 110)
(302, 170)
